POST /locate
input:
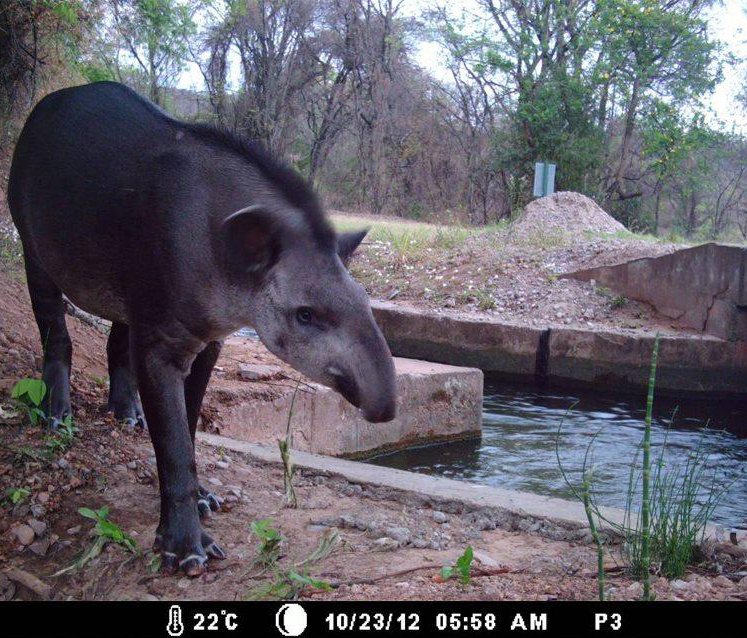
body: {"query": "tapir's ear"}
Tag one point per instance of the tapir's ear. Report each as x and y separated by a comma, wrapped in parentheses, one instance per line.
(251, 239)
(348, 242)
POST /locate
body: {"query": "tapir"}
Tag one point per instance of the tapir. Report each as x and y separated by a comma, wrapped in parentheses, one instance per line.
(180, 234)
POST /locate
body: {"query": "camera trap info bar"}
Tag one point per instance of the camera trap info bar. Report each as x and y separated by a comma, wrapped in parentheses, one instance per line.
(544, 179)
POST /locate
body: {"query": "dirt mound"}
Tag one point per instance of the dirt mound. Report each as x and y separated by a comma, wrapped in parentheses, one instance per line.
(564, 213)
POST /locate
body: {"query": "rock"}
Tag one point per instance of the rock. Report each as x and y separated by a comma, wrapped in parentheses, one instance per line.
(257, 372)
(439, 517)
(400, 534)
(42, 497)
(385, 544)
(722, 581)
(329, 521)
(150, 598)
(7, 588)
(316, 528)
(40, 547)
(30, 582)
(222, 465)
(62, 464)
(39, 527)
(37, 511)
(482, 557)
(24, 534)
(743, 581)
(132, 465)
(73, 530)
(184, 583)
(214, 481)
(679, 585)
(634, 591)
(420, 543)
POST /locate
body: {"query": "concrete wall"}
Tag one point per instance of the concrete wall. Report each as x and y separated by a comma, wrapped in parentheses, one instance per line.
(435, 403)
(568, 356)
(702, 288)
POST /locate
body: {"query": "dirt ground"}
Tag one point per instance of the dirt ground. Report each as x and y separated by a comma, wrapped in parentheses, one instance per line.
(386, 548)
(511, 272)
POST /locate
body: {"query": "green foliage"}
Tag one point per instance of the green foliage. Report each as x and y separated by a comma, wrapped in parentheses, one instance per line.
(95, 72)
(62, 438)
(289, 491)
(270, 541)
(29, 393)
(462, 568)
(106, 529)
(675, 504)
(287, 582)
(618, 302)
(105, 532)
(16, 495)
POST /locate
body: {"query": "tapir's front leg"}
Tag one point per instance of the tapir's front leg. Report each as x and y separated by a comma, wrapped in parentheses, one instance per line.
(162, 364)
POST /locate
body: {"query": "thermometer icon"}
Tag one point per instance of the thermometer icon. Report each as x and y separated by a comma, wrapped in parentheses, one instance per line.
(175, 627)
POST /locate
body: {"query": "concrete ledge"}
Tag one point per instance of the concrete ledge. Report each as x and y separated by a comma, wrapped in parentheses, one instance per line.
(490, 346)
(435, 403)
(551, 517)
(688, 363)
(508, 507)
(701, 288)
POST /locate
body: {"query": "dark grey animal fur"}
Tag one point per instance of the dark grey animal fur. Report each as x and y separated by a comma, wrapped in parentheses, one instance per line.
(180, 234)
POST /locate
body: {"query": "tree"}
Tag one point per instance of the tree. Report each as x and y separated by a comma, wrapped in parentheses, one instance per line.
(154, 34)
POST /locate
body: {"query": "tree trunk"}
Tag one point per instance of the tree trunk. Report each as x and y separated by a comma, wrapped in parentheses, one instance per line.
(618, 185)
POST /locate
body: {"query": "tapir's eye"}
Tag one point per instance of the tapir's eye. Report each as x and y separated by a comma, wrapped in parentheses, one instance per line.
(304, 315)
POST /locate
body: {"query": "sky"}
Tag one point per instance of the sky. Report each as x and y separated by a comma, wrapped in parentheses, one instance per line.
(727, 22)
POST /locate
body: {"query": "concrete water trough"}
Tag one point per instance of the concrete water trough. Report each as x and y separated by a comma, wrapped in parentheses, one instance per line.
(689, 363)
(252, 401)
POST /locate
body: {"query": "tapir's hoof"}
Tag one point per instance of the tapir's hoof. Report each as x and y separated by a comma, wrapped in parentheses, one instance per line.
(133, 424)
(207, 502)
(193, 560)
(55, 422)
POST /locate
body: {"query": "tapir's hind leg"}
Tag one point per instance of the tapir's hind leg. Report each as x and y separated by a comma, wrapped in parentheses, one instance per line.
(49, 311)
(124, 401)
(194, 391)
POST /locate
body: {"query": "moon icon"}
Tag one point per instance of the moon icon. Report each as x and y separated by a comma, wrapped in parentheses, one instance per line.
(291, 619)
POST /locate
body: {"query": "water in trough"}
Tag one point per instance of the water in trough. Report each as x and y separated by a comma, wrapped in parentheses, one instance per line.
(520, 424)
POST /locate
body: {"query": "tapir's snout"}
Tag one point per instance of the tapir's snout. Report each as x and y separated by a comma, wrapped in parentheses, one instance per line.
(382, 414)
(377, 400)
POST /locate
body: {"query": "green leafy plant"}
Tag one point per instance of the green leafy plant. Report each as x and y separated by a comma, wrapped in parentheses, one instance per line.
(287, 582)
(62, 439)
(105, 532)
(29, 394)
(16, 495)
(618, 302)
(270, 541)
(108, 530)
(462, 567)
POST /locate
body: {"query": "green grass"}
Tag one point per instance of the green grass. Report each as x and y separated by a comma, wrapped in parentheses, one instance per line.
(286, 582)
(409, 237)
(667, 507)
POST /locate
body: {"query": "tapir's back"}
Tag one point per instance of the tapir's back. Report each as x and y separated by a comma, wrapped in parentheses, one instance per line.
(81, 187)
(81, 159)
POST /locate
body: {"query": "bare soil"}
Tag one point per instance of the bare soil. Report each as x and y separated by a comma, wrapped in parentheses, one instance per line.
(511, 273)
(110, 465)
